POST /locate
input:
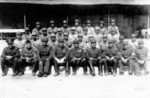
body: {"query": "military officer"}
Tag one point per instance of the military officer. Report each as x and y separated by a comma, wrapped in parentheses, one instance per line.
(37, 29)
(9, 58)
(78, 28)
(65, 27)
(53, 41)
(67, 40)
(90, 28)
(44, 56)
(44, 34)
(52, 27)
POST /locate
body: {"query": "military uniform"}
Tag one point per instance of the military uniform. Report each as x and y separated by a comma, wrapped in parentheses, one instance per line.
(52, 41)
(67, 40)
(60, 56)
(10, 62)
(119, 44)
(44, 57)
(78, 28)
(112, 58)
(92, 55)
(28, 57)
(51, 29)
(73, 35)
(90, 29)
(65, 28)
(77, 58)
(37, 30)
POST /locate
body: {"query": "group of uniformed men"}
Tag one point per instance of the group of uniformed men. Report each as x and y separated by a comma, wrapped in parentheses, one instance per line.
(73, 48)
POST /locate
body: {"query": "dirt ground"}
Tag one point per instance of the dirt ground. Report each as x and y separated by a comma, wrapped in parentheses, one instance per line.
(78, 86)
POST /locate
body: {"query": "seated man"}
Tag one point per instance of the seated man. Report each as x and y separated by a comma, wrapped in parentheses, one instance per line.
(44, 57)
(112, 56)
(126, 55)
(60, 56)
(144, 59)
(28, 57)
(9, 58)
(92, 55)
(77, 58)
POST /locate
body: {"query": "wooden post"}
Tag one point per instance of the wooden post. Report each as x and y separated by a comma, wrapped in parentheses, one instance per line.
(24, 20)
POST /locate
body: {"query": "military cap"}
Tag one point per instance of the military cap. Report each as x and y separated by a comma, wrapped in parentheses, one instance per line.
(97, 28)
(125, 43)
(44, 39)
(85, 29)
(76, 20)
(80, 35)
(60, 40)
(19, 33)
(72, 28)
(52, 35)
(113, 21)
(105, 36)
(52, 22)
(101, 22)
(34, 33)
(59, 30)
(44, 30)
(66, 33)
(9, 41)
(65, 22)
(140, 42)
(93, 41)
(88, 22)
(75, 42)
(121, 37)
(133, 35)
(37, 23)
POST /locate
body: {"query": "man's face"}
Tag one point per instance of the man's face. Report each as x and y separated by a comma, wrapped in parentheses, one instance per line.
(52, 25)
(101, 25)
(85, 32)
(59, 33)
(61, 44)
(121, 40)
(93, 45)
(38, 26)
(72, 31)
(141, 45)
(34, 37)
(110, 44)
(97, 31)
(80, 38)
(113, 24)
(44, 33)
(28, 45)
(19, 36)
(44, 43)
(66, 37)
(125, 46)
(105, 39)
(65, 25)
(10, 45)
(133, 39)
(53, 39)
(88, 24)
(76, 45)
(76, 24)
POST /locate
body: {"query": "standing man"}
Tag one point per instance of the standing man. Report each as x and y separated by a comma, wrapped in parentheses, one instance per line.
(59, 34)
(134, 42)
(77, 58)
(90, 28)
(112, 57)
(73, 34)
(52, 27)
(97, 34)
(37, 29)
(65, 27)
(60, 56)
(102, 28)
(28, 58)
(68, 41)
(44, 34)
(19, 42)
(120, 43)
(78, 28)
(9, 58)
(114, 30)
(53, 41)
(44, 57)
(26, 35)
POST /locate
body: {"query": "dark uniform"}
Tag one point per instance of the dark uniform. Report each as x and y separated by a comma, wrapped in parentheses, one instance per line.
(9, 58)
(44, 57)
(28, 57)
(77, 58)
(126, 55)
(60, 56)
(92, 55)
(112, 57)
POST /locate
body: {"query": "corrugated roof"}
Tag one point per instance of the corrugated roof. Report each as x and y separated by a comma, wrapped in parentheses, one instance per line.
(80, 2)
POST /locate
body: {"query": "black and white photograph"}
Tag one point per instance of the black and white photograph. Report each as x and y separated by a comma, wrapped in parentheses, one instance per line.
(74, 48)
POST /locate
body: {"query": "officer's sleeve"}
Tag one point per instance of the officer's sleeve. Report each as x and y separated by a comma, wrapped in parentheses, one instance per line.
(3, 53)
(38, 54)
(50, 52)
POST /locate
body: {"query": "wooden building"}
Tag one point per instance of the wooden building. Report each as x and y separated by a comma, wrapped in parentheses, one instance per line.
(129, 14)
